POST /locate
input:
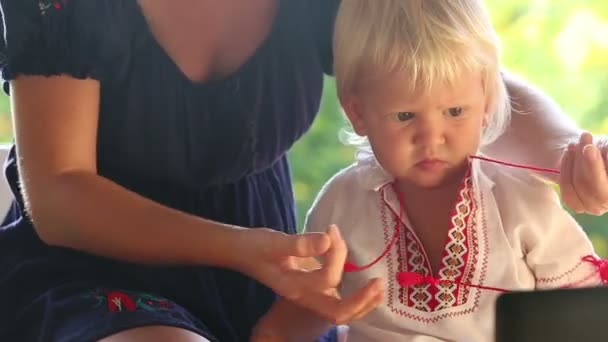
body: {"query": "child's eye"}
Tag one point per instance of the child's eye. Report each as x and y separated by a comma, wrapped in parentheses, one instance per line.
(455, 111)
(404, 116)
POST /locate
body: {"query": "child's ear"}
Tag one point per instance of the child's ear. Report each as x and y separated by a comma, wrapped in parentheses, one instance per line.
(352, 109)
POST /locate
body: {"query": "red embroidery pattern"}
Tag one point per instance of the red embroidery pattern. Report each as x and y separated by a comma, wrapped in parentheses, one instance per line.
(459, 263)
(456, 254)
(486, 248)
(473, 244)
(118, 301)
(549, 280)
(419, 297)
(545, 281)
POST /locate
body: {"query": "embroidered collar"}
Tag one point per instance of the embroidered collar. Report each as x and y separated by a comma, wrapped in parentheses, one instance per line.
(371, 175)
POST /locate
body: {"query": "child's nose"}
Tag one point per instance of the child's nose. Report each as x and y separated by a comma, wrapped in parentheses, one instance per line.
(429, 133)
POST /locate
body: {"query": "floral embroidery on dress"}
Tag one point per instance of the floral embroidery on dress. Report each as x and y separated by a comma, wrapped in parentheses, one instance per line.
(119, 300)
(47, 5)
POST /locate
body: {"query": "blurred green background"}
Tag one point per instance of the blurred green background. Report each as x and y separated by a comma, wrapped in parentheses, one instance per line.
(559, 45)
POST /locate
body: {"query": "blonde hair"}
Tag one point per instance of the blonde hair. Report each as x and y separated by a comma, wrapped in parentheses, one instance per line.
(432, 41)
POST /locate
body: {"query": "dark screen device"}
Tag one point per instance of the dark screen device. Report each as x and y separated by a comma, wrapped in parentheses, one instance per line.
(563, 315)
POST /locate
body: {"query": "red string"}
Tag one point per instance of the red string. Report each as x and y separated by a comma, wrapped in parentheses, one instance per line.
(600, 264)
(411, 278)
(352, 267)
(521, 166)
(406, 279)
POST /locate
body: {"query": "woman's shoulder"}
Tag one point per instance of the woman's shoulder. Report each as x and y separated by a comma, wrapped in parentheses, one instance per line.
(320, 17)
(46, 37)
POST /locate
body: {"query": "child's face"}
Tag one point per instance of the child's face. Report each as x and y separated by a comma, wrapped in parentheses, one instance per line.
(421, 140)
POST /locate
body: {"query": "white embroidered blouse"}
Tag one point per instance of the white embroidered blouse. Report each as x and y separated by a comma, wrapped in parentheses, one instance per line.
(508, 230)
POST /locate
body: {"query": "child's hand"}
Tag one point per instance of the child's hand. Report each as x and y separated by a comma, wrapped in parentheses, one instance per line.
(583, 180)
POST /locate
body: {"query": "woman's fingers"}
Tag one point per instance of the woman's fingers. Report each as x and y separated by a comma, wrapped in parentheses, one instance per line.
(581, 176)
(302, 274)
(281, 261)
(333, 261)
(289, 268)
(566, 180)
(301, 245)
(584, 180)
(593, 181)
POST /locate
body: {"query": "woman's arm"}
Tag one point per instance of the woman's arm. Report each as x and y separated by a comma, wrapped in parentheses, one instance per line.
(55, 122)
(539, 130)
(71, 206)
(539, 135)
(286, 321)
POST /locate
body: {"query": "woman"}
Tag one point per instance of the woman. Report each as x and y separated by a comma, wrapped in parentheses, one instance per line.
(148, 135)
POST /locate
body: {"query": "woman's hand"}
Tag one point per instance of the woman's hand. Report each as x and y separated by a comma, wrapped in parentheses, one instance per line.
(286, 264)
(312, 314)
(583, 180)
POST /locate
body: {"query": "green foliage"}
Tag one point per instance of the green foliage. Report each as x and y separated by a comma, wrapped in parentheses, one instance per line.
(320, 154)
(6, 132)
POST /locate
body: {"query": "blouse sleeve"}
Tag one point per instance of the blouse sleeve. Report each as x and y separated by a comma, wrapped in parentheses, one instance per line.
(53, 37)
(331, 205)
(554, 244)
(320, 216)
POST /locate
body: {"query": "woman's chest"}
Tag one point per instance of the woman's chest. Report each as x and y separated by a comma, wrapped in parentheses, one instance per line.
(151, 114)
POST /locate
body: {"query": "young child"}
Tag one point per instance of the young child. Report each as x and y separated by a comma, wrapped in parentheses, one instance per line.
(420, 80)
